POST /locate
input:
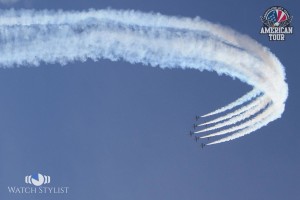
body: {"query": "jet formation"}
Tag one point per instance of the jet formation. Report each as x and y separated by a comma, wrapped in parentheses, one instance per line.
(192, 133)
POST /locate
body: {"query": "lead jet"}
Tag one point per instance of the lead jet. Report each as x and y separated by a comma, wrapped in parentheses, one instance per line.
(197, 117)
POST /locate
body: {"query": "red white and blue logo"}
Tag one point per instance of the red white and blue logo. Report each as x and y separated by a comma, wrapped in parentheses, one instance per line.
(276, 23)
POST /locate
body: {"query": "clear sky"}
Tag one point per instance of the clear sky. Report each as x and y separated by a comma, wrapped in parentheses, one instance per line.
(117, 131)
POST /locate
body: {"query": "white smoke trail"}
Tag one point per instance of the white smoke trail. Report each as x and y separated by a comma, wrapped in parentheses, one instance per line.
(243, 109)
(238, 118)
(30, 37)
(247, 97)
(258, 124)
(264, 114)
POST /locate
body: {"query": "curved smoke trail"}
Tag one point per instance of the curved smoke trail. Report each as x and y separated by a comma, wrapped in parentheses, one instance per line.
(30, 37)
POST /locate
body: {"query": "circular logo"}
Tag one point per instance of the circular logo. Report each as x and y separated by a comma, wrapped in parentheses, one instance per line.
(276, 16)
(37, 179)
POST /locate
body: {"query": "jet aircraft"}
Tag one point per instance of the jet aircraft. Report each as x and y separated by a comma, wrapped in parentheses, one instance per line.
(195, 126)
(191, 133)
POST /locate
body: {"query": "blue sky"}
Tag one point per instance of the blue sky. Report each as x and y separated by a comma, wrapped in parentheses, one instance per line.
(113, 130)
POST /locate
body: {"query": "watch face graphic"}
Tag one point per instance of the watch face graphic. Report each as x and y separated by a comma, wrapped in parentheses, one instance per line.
(37, 179)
